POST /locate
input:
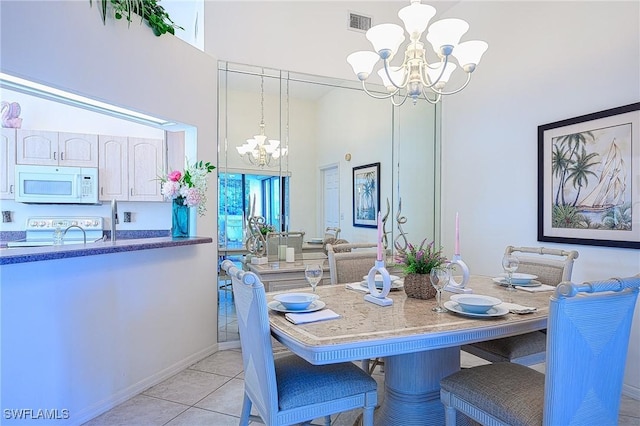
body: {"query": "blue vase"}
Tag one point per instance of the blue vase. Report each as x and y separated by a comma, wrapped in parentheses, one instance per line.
(179, 219)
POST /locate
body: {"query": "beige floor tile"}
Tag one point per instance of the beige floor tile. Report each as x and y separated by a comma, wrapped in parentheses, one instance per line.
(227, 399)
(629, 407)
(139, 410)
(226, 363)
(197, 416)
(187, 387)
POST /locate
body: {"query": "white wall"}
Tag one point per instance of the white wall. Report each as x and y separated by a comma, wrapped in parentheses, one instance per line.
(547, 61)
(64, 44)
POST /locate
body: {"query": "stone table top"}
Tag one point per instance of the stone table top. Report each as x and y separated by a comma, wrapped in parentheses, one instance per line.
(409, 325)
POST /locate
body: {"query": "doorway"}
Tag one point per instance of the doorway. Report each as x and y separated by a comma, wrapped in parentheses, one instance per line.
(330, 196)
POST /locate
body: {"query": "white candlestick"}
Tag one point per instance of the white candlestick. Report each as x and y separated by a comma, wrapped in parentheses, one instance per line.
(457, 244)
(379, 237)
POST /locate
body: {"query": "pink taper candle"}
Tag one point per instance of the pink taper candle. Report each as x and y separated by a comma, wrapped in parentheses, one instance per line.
(457, 246)
(379, 237)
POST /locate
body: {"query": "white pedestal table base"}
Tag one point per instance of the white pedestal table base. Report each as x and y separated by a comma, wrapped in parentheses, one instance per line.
(412, 387)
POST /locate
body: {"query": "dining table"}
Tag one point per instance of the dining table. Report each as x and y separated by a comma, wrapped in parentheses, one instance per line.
(419, 346)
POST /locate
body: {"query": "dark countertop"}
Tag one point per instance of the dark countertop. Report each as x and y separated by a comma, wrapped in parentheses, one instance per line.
(35, 254)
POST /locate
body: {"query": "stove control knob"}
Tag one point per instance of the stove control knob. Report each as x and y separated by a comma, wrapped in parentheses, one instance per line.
(42, 223)
(73, 222)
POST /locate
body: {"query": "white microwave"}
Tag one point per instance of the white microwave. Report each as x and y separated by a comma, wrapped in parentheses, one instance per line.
(56, 185)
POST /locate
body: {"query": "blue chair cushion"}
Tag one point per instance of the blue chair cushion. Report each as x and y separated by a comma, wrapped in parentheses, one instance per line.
(511, 392)
(301, 383)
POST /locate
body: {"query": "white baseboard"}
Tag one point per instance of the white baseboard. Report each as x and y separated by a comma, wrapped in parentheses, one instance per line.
(631, 391)
(121, 396)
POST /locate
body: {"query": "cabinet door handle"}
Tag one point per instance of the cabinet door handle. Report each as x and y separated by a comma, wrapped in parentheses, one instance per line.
(102, 190)
(62, 156)
(131, 191)
(10, 189)
(55, 155)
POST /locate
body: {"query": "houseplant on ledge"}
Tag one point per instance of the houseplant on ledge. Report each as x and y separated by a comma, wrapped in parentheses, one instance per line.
(149, 11)
(187, 190)
(417, 264)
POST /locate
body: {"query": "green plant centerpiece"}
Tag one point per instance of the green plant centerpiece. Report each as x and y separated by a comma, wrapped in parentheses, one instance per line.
(149, 11)
(417, 264)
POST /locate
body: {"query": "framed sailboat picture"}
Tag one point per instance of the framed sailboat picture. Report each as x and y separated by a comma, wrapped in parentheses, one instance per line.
(366, 195)
(589, 179)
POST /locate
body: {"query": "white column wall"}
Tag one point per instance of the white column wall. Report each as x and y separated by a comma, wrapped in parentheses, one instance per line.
(547, 61)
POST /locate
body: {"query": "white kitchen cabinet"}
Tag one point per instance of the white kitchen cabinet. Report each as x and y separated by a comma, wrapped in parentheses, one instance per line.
(146, 165)
(56, 148)
(175, 151)
(7, 163)
(113, 163)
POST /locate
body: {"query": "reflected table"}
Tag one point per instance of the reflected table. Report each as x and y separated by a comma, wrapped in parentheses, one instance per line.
(419, 346)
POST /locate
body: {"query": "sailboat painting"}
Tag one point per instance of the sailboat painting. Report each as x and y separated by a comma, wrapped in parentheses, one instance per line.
(589, 179)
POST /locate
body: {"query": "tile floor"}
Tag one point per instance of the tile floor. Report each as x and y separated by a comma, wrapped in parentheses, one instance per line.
(210, 393)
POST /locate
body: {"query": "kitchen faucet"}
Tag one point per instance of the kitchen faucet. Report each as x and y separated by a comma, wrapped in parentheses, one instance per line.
(75, 226)
(114, 219)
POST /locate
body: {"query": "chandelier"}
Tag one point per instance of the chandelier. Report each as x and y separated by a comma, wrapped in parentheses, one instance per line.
(417, 77)
(258, 150)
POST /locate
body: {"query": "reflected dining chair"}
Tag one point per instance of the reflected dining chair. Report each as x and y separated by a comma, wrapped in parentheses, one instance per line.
(348, 263)
(289, 390)
(290, 239)
(552, 266)
(331, 233)
(587, 342)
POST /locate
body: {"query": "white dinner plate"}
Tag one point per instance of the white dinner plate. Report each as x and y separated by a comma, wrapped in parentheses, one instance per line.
(503, 282)
(316, 305)
(496, 311)
(394, 285)
(393, 277)
(519, 277)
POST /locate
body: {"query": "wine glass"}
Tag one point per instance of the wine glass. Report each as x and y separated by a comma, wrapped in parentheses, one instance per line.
(313, 274)
(439, 278)
(510, 264)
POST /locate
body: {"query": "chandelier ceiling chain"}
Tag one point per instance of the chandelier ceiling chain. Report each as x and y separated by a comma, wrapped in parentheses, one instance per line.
(416, 78)
(259, 151)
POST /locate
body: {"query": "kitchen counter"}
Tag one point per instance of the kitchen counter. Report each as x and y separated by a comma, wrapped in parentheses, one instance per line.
(35, 254)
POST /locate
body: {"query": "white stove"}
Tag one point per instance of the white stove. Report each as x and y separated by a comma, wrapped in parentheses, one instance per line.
(40, 230)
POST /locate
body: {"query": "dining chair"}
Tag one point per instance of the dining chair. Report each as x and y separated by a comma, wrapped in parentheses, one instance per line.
(288, 390)
(348, 263)
(552, 266)
(290, 239)
(588, 338)
(331, 232)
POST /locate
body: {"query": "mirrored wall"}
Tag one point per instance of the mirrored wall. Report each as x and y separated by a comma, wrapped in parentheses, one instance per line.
(325, 127)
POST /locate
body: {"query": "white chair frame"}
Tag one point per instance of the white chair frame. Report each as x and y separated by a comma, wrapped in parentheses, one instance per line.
(589, 327)
(289, 381)
(552, 266)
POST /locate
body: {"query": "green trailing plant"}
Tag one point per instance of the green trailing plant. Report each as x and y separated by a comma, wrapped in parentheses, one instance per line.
(149, 11)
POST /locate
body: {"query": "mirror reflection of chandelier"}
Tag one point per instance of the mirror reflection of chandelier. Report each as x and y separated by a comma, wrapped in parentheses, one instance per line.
(258, 150)
(418, 78)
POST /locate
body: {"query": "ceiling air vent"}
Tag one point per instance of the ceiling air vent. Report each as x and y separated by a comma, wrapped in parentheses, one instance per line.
(359, 22)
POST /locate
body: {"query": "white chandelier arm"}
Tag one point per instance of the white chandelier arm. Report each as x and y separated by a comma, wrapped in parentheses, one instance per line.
(377, 96)
(406, 75)
(431, 101)
(404, 99)
(439, 92)
(424, 77)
